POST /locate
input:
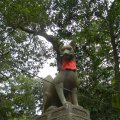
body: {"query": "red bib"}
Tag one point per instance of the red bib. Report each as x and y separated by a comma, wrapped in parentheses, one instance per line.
(70, 65)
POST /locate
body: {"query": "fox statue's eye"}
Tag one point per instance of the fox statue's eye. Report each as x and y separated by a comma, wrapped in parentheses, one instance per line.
(69, 48)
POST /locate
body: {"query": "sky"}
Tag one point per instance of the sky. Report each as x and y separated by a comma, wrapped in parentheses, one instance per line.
(47, 69)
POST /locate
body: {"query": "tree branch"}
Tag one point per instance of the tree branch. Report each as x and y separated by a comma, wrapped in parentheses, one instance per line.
(50, 38)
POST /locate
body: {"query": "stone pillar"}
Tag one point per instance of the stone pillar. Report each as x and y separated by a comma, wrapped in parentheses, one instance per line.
(66, 112)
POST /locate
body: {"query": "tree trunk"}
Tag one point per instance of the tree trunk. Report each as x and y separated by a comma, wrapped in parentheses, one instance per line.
(111, 20)
(116, 64)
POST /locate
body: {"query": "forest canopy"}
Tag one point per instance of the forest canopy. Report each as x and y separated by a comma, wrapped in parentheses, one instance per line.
(94, 25)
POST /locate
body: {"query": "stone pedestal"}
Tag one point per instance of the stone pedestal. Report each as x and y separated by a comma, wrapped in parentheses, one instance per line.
(67, 112)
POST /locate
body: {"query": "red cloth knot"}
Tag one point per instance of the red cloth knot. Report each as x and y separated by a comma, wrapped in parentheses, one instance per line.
(69, 65)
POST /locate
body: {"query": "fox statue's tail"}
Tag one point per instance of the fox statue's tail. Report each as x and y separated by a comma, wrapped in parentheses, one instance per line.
(46, 83)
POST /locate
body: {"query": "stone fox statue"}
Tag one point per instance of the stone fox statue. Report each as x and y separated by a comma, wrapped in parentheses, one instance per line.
(63, 88)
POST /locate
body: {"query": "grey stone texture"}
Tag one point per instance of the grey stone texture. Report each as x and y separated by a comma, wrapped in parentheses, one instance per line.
(66, 112)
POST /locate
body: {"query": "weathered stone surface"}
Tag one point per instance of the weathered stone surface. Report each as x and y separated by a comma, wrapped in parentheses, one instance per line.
(66, 112)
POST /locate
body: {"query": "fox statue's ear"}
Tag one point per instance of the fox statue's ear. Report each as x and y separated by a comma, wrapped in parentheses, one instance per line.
(74, 45)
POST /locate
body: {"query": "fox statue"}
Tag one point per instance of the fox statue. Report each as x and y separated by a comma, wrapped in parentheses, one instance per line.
(63, 88)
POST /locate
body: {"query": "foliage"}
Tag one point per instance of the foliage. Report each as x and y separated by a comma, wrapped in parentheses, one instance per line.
(20, 97)
(20, 52)
(93, 25)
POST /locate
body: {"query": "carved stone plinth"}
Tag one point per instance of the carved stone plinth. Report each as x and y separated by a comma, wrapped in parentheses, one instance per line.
(67, 112)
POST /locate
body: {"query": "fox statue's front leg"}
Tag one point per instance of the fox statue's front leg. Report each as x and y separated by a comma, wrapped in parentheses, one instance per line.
(59, 90)
(74, 96)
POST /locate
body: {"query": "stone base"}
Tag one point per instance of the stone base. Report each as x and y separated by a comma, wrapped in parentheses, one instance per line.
(66, 112)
